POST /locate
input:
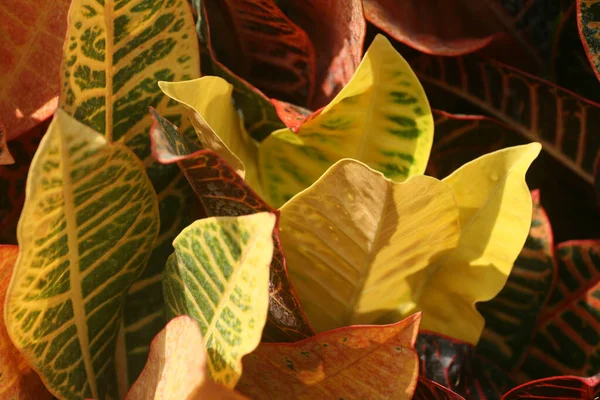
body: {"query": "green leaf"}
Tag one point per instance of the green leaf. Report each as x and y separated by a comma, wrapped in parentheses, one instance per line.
(219, 275)
(222, 192)
(86, 232)
(511, 317)
(114, 55)
(381, 117)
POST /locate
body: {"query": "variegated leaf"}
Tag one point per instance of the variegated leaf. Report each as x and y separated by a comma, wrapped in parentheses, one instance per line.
(588, 19)
(114, 55)
(219, 275)
(381, 117)
(222, 192)
(88, 225)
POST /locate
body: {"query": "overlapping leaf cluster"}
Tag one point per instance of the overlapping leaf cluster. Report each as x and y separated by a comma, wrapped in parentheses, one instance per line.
(262, 227)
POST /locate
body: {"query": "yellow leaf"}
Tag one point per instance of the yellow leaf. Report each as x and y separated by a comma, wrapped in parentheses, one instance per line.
(88, 225)
(219, 275)
(495, 215)
(382, 118)
(176, 367)
(353, 237)
(207, 102)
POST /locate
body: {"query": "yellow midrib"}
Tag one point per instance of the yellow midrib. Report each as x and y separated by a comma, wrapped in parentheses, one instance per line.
(74, 272)
(108, 23)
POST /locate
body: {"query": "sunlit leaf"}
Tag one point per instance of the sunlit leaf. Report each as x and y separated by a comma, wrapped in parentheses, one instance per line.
(495, 216)
(32, 33)
(511, 316)
(557, 388)
(588, 17)
(354, 362)
(219, 275)
(5, 156)
(88, 225)
(114, 55)
(176, 367)
(17, 380)
(353, 238)
(381, 117)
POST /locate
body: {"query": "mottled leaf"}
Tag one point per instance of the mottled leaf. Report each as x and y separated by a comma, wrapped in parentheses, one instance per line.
(176, 367)
(222, 192)
(567, 341)
(354, 362)
(381, 117)
(337, 31)
(219, 275)
(588, 22)
(12, 181)
(430, 390)
(114, 55)
(454, 364)
(88, 224)
(17, 380)
(353, 238)
(32, 33)
(539, 111)
(557, 388)
(511, 317)
(5, 156)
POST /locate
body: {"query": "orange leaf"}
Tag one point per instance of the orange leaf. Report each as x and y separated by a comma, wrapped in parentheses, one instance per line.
(176, 367)
(354, 362)
(5, 156)
(32, 33)
(17, 380)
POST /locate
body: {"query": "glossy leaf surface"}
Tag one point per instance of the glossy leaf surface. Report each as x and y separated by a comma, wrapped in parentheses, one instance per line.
(88, 224)
(343, 363)
(219, 275)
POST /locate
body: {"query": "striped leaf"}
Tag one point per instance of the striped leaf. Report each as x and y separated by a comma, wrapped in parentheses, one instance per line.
(454, 365)
(222, 192)
(115, 53)
(588, 17)
(381, 117)
(511, 317)
(354, 362)
(88, 225)
(17, 380)
(567, 340)
(537, 110)
(32, 35)
(430, 390)
(557, 388)
(259, 115)
(12, 181)
(176, 367)
(354, 238)
(5, 156)
(219, 275)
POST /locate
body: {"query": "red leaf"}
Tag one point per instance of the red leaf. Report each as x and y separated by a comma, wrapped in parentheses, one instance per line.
(558, 388)
(222, 192)
(430, 390)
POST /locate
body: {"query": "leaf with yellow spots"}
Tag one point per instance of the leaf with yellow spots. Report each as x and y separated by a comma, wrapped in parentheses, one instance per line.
(17, 380)
(88, 225)
(353, 238)
(354, 362)
(219, 275)
(382, 118)
(114, 55)
(176, 367)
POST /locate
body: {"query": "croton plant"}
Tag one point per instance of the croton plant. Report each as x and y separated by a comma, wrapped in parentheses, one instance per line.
(253, 199)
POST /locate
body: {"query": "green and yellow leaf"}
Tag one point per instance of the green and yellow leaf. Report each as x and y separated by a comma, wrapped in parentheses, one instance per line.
(207, 102)
(382, 118)
(495, 215)
(88, 225)
(114, 55)
(17, 380)
(176, 367)
(352, 239)
(587, 21)
(219, 275)
(354, 362)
